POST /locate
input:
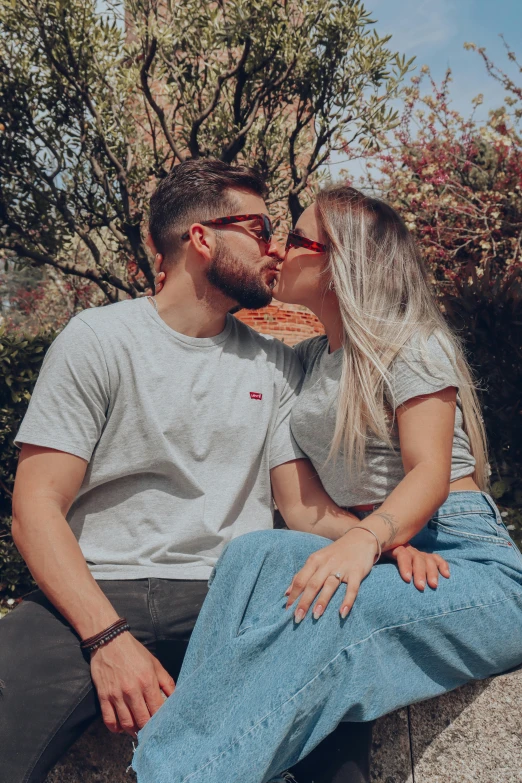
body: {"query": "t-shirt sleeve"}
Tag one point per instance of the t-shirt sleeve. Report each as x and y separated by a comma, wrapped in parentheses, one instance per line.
(416, 372)
(283, 446)
(69, 403)
(306, 350)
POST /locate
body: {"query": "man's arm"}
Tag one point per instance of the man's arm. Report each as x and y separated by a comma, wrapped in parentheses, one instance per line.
(304, 504)
(128, 679)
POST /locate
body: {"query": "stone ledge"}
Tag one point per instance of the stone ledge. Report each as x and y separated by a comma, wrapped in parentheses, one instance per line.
(97, 757)
(472, 735)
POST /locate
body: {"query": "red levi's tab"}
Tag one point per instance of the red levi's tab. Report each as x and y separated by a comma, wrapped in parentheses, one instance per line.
(256, 396)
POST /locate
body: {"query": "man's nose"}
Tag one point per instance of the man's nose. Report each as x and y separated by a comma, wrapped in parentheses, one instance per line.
(276, 249)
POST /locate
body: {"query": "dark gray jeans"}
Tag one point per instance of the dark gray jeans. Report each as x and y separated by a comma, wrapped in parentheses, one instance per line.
(47, 698)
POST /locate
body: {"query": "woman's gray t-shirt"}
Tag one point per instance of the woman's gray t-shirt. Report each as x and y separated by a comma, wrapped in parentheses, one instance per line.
(314, 412)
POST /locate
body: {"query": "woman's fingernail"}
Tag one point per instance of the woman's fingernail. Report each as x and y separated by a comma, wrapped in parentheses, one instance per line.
(287, 591)
(421, 585)
(407, 576)
(318, 610)
(344, 612)
(299, 615)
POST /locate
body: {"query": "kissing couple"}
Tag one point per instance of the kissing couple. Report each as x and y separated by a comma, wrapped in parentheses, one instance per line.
(161, 431)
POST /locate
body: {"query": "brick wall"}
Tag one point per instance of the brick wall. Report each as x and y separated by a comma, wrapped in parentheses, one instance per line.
(289, 323)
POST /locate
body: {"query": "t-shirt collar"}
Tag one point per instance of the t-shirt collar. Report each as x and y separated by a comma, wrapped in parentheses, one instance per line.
(197, 342)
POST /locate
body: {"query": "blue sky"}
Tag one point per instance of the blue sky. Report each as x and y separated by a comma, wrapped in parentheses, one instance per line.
(434, 31)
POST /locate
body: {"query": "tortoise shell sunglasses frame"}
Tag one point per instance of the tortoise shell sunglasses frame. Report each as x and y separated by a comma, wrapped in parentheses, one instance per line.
(297, 240)
(267, 230)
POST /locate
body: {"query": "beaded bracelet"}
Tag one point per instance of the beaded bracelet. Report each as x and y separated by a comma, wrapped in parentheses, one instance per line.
(97, 636)
(103, 637)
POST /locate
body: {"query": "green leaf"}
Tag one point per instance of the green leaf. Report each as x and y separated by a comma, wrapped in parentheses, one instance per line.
(499, 489)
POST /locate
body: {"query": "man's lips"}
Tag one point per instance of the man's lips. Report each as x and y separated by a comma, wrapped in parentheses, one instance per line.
(273, 274)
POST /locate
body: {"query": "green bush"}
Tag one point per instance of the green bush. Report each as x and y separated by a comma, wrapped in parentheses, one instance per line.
(20, 361)
(490, 323)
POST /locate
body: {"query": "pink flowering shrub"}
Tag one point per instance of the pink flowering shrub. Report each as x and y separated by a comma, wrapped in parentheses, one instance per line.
(458, 185)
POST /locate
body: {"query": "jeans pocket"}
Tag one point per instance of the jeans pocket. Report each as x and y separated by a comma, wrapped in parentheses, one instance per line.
(491, 523)
(480, 527)
(497, 525)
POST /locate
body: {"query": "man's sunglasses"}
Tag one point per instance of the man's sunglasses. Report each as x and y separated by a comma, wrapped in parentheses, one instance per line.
(265, 227)
(296, 240)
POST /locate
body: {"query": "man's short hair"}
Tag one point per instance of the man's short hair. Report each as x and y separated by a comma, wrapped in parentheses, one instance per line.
(193, 191)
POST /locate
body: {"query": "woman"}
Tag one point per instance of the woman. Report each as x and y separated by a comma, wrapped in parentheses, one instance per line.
(389, 417)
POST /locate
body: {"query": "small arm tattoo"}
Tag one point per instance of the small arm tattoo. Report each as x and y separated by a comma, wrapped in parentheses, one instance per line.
(391, 522)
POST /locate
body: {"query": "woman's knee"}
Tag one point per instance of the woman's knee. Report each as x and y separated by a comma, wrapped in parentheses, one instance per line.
(268, 545)
(253, 544)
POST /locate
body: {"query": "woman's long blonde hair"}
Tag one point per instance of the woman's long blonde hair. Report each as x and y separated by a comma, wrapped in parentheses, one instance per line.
(385, 300)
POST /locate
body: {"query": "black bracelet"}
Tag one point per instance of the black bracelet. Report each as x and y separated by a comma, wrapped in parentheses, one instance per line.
(105, 636)
(91, 639)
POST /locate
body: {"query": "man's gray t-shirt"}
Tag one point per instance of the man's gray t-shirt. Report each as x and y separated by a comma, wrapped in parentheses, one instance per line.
(313, 419)
(180, 434)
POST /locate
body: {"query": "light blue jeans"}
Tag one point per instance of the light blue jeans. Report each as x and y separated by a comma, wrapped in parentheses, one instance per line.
(258, 692)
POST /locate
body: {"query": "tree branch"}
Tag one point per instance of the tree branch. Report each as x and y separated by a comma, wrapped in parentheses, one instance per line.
(144, 80)
(222, 78)
(236, 145)
(7, 492)
(102, 279)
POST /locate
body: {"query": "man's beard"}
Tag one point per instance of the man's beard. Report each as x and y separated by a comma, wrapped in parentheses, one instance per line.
(229, 275)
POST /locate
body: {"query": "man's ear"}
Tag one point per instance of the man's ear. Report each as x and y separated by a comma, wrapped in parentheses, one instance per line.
(203, 240)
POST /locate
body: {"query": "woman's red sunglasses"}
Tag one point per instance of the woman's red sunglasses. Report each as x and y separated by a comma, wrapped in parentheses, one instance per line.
(296, 240)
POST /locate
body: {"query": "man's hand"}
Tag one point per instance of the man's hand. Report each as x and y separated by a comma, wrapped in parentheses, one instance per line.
(130, 683)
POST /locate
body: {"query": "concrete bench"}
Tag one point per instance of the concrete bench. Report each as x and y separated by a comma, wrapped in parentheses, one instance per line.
(472, 735)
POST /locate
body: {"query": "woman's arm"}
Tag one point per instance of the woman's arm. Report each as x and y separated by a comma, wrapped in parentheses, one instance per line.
(426, 426)
(304, 503)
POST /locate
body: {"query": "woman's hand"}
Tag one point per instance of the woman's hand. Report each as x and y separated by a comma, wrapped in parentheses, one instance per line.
(423, 566)
(159, 281)
(352, 557)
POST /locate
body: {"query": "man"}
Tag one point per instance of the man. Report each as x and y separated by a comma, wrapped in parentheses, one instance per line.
(153, 436)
